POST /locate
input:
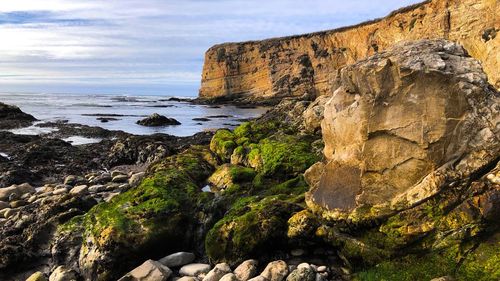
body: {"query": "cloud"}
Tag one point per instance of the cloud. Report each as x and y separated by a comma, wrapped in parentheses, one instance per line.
(79, 45)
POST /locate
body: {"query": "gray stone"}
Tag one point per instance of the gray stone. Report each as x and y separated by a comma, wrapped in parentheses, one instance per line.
(18, 203)
(194, 269)
(136, 178)
(97, 188)
(322, 268)
(120, 178)
(177, 259)
(258, 278)
(17, 190)
(187, 278)
(217, 272)
(70, 180)
(275, 271)
(79, 190)
(10, 212)
(60, 191)
(150, 270)
(117, 173)
(62, 273)
(246, 270)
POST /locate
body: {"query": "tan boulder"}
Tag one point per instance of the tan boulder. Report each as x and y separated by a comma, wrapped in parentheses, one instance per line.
(401, 126)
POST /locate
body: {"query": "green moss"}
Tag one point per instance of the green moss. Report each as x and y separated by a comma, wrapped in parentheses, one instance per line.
(483, 264)
(223, 144)
(295, 186)
(250, 228)
(242, 174)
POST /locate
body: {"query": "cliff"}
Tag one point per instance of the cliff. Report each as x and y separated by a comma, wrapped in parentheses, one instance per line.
(294, 66)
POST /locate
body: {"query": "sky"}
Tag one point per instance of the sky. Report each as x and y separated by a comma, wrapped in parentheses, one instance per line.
(147, 47)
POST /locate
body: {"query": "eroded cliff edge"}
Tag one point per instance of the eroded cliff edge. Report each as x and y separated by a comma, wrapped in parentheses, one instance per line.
(268, 70)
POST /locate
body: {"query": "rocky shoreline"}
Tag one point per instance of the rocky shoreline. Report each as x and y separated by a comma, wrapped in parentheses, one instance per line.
(392, 176)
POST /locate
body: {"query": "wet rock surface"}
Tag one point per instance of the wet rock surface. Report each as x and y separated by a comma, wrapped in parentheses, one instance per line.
(11, 117)
(157, 120)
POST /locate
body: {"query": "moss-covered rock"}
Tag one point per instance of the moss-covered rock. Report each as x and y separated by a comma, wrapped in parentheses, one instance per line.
(251, 228)
(149, 220)
(228, 175)
(223, 143)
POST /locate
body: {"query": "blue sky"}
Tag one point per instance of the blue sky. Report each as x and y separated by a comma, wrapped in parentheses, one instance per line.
(147, 46)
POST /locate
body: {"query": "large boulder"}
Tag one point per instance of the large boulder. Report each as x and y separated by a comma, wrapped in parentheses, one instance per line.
(12, 117)
(156, 120)
(402, 126)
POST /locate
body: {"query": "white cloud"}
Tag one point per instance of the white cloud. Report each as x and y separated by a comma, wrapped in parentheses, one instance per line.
(149, 41)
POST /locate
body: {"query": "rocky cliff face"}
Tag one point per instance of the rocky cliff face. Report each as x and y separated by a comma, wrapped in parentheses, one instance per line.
(304, 65)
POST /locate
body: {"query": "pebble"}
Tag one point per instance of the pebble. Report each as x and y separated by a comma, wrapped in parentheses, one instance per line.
(37, 276)
(187, 278)
(217, 272)
(322, 268)
(275, 271)
(70, 180)
(60, 191)
(149, 270)
(117, 173)
(97, 188)
(246, 270)
(120, 178)
(136, 178)
(79, 190)
(194, 269)
(32, 198)
(177, 259)
(10, 213)
(304, 265)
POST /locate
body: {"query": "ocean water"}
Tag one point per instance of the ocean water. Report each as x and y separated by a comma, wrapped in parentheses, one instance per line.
(85, 109)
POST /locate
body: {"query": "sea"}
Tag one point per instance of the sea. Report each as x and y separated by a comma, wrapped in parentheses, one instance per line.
(127, 109)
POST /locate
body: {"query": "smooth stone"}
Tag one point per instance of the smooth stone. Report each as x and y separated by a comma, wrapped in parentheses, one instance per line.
(178, 259)
(62, 273)
(275, 271)
(246, 270)
(117, 173)
(110, 196)
(79, 189)
(150, 270)
(217, 272)
(136, 178)
(4, 205)
(120, 178)
(10, 213)
(60, 191)
(229, 277)
(194, 269)
(37, 276)
(97, 188)
(322, 268)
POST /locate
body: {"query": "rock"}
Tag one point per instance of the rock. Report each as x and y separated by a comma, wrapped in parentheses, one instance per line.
(117, 173)
(79, 190)
(320, 277)
(4, 205)
(101, 179)
(17, 190)
(136, 178)
(8, 212)
(384, 133)
(275, 271)
(120, 178)
(313, 115)
(229, 277)
(70, 180)
(18, 203)
(303, 265)
(12, 117)
(97, 188)
(60, 191)
(194, 269)
(156, 120)
(302, 274)
(37, 276)
(246, 270)
(322, 268)
(150, 270)
(62, 273)
(217, 272)
(177, 259)
(258, 278)
(271, 70)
